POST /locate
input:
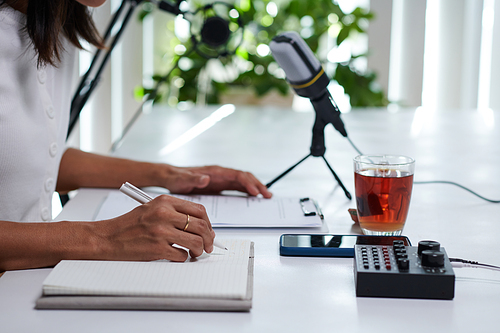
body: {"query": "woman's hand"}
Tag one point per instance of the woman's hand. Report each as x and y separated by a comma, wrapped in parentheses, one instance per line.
(149, 231)
(213, 179)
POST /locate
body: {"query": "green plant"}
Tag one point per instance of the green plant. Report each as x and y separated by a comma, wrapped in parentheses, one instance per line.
(316, 21)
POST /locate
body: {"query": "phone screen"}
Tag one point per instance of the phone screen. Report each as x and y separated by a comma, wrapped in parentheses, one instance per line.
(338, 241)
(331, 245)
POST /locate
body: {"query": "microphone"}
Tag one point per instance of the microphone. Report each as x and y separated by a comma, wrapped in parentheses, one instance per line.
(211, 33)
(307, 77)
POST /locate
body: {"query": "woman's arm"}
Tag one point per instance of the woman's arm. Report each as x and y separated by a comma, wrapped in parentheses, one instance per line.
(81, 169)
(146, 233)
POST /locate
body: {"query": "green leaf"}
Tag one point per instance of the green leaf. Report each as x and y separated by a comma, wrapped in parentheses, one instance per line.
(343, 34)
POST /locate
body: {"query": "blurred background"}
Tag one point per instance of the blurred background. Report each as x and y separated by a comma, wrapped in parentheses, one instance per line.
(426, 55)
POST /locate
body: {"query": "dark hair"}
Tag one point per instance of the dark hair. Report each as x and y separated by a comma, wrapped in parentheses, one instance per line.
(49, 20)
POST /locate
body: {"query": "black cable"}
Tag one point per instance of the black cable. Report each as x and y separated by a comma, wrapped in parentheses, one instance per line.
(470, 263)
(437, 181)
(354, 146)
(456, 184)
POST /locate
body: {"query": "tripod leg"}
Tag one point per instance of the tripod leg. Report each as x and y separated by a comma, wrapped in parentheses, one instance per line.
(347, 194)
(268, 185)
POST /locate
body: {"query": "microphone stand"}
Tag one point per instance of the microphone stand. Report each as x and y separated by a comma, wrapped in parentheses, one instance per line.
(89, 80)
(327, 112)
(87, 83)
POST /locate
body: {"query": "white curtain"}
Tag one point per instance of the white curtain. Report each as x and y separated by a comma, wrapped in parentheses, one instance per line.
(437, 53)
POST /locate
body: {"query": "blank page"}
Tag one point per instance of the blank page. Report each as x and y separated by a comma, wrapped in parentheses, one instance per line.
(221, 274)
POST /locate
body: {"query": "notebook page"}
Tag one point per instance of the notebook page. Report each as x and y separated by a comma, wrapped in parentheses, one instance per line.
(221, 274)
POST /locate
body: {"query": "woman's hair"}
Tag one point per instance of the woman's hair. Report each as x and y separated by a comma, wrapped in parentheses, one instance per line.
(49, 20)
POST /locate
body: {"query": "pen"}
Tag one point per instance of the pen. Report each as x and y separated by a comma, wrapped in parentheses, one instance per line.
(143, 197)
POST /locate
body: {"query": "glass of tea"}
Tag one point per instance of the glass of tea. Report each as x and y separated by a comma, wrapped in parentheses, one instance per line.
(383, 185)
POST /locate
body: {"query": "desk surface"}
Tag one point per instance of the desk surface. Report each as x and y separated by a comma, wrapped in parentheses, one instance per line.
(311, 294)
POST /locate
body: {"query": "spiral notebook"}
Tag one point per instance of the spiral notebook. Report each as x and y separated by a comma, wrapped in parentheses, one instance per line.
(220, 281)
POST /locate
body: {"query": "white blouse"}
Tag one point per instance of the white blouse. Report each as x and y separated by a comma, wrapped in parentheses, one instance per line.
(34, 113)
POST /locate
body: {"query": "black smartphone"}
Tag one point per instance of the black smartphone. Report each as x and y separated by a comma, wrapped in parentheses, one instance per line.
(329, 245)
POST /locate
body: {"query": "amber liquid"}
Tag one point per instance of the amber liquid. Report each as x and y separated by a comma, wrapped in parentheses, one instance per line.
(382, 198)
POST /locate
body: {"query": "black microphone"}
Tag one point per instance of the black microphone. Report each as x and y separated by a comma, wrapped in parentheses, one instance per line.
(307, 77)
(215, 31)
(210, 27)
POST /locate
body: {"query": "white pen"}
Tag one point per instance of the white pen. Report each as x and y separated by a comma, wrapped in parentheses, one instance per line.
(142, 197)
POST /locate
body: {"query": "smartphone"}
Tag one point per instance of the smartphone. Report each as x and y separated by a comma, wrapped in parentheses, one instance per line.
(328, 245)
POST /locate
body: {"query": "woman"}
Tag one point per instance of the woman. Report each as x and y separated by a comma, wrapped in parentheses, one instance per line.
(38, 40)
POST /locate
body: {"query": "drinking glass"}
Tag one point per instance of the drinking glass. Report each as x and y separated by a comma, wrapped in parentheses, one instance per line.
(383, 185)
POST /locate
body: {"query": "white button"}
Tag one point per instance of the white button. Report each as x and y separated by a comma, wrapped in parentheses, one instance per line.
(50, 111)
(42, 76)
(49, 183)
(45, 214)
(53, 149)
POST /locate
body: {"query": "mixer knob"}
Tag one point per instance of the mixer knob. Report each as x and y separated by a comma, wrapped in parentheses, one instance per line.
(428, 245)
(432, 258)
(403, 264)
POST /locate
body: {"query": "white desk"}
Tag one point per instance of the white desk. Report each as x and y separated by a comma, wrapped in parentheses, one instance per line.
(314, 294)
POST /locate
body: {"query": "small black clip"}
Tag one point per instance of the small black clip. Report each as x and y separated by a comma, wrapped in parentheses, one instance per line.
(306, 212)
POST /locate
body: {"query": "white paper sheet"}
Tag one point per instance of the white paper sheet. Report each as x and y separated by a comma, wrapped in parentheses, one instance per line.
(231, 211)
